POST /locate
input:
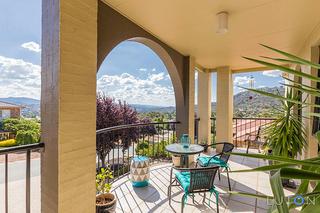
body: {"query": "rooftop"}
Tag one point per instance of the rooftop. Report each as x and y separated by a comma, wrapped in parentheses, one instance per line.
(9, 105)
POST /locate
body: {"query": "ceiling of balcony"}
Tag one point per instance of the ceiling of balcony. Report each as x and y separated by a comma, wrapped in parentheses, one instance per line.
(189, 26)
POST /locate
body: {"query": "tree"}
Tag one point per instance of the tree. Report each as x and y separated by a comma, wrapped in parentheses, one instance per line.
(109, 114)
(27, 131)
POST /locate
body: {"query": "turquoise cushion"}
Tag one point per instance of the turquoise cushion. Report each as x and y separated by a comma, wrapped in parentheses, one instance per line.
(184, 180)
(203, 161)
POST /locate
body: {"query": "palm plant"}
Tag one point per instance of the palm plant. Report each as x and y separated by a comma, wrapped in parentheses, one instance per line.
(306, 170)
(286, 135)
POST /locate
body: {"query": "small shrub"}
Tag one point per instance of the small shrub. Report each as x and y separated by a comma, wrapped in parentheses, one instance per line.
(27, 137)
(102, 180)
(8, 143)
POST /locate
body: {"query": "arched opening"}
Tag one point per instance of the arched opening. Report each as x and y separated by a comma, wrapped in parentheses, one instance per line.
(137, 83)
(159, 55)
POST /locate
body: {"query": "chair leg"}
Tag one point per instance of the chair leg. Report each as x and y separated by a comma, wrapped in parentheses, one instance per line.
(182, 204)
(204, 197)
(193, 198)
(219, 174)
(169, 194)
(228, 179)
(217, 207)
(248, 147)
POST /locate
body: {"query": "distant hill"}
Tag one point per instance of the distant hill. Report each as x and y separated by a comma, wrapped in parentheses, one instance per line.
(250, 104)
(32, 106)
(247, 104)
(151, 108)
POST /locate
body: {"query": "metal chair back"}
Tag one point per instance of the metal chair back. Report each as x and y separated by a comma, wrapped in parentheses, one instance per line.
(201, 179)
(227, 147)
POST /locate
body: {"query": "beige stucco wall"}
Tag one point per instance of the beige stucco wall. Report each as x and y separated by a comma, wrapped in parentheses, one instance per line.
(68, 105)
(310, 51)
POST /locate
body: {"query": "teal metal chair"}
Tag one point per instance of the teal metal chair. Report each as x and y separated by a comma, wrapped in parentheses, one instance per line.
(221, 159)
(192, 181)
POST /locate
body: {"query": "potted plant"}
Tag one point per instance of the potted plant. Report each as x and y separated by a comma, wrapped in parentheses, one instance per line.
(105, 201)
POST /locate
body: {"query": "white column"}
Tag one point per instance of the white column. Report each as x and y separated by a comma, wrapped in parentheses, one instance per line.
(224, 112)
(68, 105)
(204, 106)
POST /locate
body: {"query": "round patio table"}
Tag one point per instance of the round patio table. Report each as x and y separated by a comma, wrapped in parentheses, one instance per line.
(178, 149)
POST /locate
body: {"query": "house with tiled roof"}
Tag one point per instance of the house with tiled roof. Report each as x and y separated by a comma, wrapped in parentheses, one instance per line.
(9, 110)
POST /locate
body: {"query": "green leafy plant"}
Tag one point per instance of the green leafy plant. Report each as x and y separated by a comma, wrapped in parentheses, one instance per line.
(26, 131)
(103, 184)
(24, 137)
(307, 170)
(286, 135)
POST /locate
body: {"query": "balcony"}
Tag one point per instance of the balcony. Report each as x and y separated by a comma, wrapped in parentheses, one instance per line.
(21, 169)
(154, 197)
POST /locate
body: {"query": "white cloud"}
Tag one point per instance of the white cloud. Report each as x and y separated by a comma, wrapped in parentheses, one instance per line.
(19, 78)
(142, 69)
(154, 70)
(241, 80)
(32, 46)
(136, 90)
(272, 73)
(156, 77)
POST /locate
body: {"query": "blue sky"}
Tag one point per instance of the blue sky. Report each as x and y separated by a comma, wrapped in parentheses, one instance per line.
(131, 72)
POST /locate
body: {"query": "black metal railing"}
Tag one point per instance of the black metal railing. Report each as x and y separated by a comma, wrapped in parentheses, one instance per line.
(27, 149)
(196, 129)
(242, 127)
(117, 145)
(213, 129)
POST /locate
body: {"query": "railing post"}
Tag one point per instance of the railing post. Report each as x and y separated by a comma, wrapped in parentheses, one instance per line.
(28, 181)
(6, 183)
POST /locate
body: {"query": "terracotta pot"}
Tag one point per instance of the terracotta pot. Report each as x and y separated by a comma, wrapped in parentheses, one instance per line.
(107, 207)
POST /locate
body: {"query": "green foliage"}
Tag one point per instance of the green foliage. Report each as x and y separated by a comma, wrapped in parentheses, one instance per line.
(14, 125)
(103, 184)
(286, 135)
(156, 150)
(27, 131)
(306, 170)
(11, 125)
(8, 143)
(24, 137)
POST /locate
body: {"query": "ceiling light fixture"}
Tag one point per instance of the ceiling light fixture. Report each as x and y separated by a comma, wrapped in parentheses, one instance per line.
(222, 24)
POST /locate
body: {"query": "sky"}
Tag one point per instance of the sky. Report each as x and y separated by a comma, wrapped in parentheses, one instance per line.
(131, 72)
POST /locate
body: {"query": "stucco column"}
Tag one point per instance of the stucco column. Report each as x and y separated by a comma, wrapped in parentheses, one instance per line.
(204, 106)
(312, 148)
(185, 113)
(224, 106)
(68, 105)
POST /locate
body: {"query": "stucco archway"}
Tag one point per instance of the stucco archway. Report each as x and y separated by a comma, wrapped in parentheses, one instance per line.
(113, 28)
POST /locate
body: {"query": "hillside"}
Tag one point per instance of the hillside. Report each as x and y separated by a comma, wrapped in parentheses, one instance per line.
(247, 104)
(151, 108)
(250, 104)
